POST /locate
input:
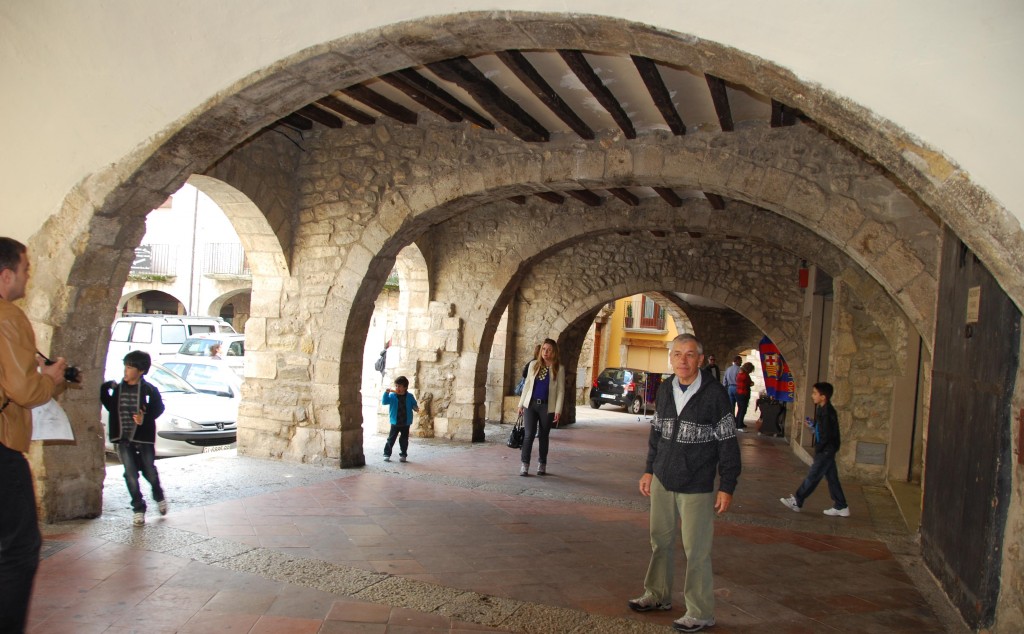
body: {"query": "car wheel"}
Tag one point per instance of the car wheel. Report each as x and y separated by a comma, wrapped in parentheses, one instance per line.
(635, 405)
(595, 404)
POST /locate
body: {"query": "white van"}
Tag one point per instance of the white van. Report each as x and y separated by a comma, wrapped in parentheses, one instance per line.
(159, 335)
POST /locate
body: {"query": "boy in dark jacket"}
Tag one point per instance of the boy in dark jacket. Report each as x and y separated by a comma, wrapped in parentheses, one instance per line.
(826, 446)
(134, 406)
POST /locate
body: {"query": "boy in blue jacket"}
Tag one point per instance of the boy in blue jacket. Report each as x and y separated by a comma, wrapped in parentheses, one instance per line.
(134, 405)
(826, 446)
(401, 405)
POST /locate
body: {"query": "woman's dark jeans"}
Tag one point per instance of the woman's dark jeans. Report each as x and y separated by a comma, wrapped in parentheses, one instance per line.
(537, 422)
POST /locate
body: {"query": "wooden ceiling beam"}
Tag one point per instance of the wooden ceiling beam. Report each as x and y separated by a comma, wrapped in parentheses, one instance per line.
(320, 116)
(782, 115)
(524, 70)
(296, 121)
(551, 197)
(624, 195)
(717, 202)
(669, 195)
(721, 99)
(585, 196)
(380, 103)
(579, 65)
(461, 71)
(342, 108)
(421, 97)
(659, 93)
(432, 90)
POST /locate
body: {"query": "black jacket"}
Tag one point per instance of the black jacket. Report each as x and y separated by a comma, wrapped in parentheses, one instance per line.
(826, 429)
(149, 396)
(684, 450)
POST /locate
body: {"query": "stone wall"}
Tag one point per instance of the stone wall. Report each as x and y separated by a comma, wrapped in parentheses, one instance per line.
(350, 228)
(861, 368)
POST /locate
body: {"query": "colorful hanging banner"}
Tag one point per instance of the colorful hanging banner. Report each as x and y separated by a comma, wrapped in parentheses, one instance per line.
(778, 380)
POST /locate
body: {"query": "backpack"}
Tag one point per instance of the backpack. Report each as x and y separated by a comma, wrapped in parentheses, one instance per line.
(379, 364)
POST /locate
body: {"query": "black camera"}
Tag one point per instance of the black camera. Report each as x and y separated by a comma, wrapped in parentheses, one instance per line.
(71, 373)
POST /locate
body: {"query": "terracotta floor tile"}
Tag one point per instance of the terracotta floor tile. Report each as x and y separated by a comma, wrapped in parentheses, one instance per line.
(217, 622)
(285, 625)
(359, 612)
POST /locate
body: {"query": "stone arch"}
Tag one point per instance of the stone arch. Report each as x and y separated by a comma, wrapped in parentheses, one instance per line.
(217, 303)
(414, 285)
(695, 217)
(127, 296)
(210, 131)
(815, 194)
(263, 250)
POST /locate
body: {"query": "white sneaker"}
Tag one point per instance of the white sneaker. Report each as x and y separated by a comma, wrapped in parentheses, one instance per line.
(524, 469)
(647, 603)
(690, 624)
(139, 519)
(789, 503)
(834, 512)
(542, 469)
(162, 506)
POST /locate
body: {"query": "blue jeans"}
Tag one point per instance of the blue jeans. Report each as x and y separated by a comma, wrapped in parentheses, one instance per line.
(136, 457)
(20, 540)
(732, 396)
(824, 466)
(402, 433)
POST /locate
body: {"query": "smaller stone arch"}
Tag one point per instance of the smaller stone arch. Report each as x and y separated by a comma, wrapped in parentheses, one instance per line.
(125, 298)
(240, 301)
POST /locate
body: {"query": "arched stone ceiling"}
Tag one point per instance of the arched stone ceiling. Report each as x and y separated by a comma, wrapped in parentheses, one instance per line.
(308, 76)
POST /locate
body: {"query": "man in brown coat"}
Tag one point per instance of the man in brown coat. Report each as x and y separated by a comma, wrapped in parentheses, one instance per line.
(22, 387)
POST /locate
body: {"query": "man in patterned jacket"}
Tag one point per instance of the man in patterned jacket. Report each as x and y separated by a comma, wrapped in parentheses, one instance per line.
(693, 435)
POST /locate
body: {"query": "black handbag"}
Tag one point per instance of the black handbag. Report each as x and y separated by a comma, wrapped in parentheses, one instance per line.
(518, 433)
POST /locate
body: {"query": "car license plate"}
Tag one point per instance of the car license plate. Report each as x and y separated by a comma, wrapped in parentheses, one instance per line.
(218, 448)
(609, 396)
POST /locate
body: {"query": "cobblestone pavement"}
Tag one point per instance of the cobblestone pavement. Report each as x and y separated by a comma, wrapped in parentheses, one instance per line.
(454, 540)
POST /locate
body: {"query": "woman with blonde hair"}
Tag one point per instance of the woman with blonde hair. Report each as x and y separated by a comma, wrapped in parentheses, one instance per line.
(540, 403)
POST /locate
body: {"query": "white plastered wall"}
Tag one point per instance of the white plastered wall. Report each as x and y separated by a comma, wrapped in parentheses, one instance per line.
(87, 83)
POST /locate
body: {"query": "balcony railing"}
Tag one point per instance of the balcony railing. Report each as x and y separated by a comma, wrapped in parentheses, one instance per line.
(225, 258)
(644, 314)
(155, 259)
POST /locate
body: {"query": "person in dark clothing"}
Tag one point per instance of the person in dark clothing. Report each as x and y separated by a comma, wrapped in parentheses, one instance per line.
(693, 435)
(401, 404)
(713, 369)
(826, 446)
(134, 405)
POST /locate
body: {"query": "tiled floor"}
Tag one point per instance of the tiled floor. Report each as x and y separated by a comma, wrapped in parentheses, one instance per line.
(459, 517)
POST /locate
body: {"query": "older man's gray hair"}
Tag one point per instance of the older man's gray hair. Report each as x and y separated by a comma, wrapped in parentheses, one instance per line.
(686, 336)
